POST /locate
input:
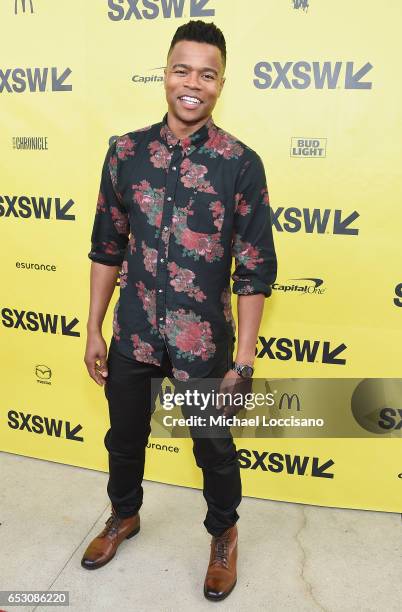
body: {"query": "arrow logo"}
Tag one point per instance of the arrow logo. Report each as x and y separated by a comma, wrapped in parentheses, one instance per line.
(67, 327)
(57, 81)
(329, 356)
(71, 433)
(61, 211)
(320, 470)
(342, 226)
(352, 81)
(197, 9)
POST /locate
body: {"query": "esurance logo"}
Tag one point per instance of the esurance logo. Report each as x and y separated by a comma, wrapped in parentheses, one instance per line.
(40, 207)
(309, 351)
(48, 323)
(19, 80)
(317, 75)
(313, 220)
(151, 9)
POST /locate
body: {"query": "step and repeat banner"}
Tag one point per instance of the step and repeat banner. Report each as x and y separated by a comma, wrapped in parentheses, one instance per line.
(314, 87)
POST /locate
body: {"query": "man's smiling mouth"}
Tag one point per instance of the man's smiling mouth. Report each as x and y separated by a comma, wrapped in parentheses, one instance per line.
(190, 100)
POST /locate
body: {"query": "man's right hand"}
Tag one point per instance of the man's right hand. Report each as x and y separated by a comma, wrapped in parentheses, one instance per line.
(95, 357)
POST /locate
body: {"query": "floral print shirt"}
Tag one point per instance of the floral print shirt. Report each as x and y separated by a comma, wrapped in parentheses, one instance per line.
(174, 215)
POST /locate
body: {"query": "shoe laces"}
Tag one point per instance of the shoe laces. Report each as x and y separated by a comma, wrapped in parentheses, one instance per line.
(112, 526)
(221, 549)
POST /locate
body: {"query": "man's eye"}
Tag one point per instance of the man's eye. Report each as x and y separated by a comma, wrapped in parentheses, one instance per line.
(180, 72)
(209, 77)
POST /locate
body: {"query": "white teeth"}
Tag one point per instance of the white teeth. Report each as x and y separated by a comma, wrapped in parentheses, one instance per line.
(190, 100)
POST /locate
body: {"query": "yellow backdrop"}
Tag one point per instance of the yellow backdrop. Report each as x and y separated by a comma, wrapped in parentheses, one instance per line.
(313, 86)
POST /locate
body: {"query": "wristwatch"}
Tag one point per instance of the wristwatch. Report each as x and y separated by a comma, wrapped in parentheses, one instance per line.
(245, 370)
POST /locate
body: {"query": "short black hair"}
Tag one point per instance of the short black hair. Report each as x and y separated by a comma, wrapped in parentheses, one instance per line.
(200, 31)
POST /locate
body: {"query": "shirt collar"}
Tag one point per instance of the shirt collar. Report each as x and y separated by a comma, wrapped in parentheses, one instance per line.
(192, 142)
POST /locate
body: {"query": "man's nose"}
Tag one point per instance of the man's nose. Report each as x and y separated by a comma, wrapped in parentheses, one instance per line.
(192, 80)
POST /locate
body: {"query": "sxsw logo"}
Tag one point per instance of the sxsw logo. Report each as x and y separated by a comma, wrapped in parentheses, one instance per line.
(308, 147)
(151, 9)
(22, 6)
(40, 207)
(18, 80)
(290, 464)
(318, 75)
(310, 351)
(313, 220)
(35, 423)
(390, 419)
(29, 320)
(398, 293)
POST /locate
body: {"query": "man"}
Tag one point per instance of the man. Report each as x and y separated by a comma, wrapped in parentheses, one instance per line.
(177, 201)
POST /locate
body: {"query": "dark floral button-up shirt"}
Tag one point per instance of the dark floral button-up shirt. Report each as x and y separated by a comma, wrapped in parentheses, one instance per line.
(172, 214)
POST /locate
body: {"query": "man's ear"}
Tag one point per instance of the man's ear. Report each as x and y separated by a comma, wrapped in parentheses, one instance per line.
(223, 80)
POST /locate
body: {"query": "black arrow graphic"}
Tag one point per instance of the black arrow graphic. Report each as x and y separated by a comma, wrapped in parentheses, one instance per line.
(352, 81)
(197, 9)
(320, 470)
(329, 356)
(71, 433)
(341, 226)
(67, 327)
(57, 81)
(61, 211)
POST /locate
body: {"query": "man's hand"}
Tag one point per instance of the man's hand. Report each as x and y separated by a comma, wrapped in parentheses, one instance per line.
(234, 384)
(96, 351)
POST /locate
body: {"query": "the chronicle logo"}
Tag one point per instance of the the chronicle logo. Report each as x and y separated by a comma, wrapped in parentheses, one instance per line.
(275, 463)
(40, 207)
(313, 220)
(318, 75)
(146, 79)
(312, 148)
(43, 374)
(35, 423)
(19, 80)
(301, 286)
(151, 9)
(398, 293)
(30, 143)
(48, 323)
(310, 351)
(23, 5)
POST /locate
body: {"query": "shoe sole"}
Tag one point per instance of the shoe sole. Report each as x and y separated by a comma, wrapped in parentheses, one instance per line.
(220, 597)
(98, 565)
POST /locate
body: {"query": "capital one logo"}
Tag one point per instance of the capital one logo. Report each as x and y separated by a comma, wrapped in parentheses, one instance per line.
(316, 75)
(23, 5)
(151, 9)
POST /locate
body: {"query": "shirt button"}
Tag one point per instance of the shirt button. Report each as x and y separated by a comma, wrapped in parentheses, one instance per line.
(166, 228)
(162, 260)
(160, 318)
(169, 199)
(160, 290)
(174, 168)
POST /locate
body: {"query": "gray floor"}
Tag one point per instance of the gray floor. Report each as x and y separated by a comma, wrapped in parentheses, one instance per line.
(291, 556)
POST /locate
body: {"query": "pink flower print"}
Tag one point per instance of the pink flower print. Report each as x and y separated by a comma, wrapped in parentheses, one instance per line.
(180, 374)
(113, 170)
(123, 274)
(150, 258)
(222, 143)
(160, 156)
(120, 220)
(143, 350)
(148, 299)
(124, 147)
(132, 244)
(110, 248)
(150, 201)
(182, 279)
(115, 324)
(241, 206)
(218, 213)
(100, 206)
(193, 176)
(246, 254)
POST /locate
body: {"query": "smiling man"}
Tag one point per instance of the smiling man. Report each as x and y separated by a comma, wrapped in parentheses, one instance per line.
(178, 201)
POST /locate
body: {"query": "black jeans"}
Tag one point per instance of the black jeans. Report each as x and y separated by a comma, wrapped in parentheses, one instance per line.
(131, 402)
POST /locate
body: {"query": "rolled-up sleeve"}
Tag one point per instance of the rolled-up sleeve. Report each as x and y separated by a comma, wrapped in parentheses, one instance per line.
(110, 232)
(252, 245)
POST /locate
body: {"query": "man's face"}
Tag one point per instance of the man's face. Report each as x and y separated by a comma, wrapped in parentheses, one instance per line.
(193, 80)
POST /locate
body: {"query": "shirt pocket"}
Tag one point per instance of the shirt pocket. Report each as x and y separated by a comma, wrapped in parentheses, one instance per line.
(206, 214)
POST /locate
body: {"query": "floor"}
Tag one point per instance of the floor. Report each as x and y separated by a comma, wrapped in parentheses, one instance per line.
(291, 556)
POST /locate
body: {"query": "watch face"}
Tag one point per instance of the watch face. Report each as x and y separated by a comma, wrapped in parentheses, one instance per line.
(247, 371)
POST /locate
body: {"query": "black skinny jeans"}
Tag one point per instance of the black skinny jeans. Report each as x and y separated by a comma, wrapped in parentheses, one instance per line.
(131, 403)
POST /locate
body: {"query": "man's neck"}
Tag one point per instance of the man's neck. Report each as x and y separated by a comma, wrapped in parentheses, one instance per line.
(183, 130)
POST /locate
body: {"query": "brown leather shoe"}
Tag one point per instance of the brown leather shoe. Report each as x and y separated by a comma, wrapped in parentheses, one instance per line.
(103, 548)
(221, 575)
